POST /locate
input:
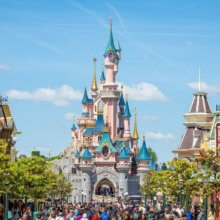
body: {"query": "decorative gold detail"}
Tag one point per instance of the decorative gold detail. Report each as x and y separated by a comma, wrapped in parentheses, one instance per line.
(94, 86)
(105, 129)
(135, 132)
(90, 124)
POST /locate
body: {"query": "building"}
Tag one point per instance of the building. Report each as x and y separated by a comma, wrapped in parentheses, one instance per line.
(103, 158)
(8, 129)
(202, 125)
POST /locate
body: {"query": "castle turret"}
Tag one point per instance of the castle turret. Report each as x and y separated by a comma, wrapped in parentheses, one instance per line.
(121, 104)
(94, 86)
(86, 166)
(123, 166)
(143, 161)
(110, 93)
(127, 116)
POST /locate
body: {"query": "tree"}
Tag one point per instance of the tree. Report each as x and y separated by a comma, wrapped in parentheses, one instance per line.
(164, 166)
(5, 159)
(30, 177)
(60, 187)
(152, 154)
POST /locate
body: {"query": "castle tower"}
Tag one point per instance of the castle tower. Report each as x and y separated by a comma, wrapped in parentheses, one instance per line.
(127, 116)
(94, 87)
(110, 94)
(102, 79)
(143, 161)
(123, 167)
(121, 104)
(86, 166)
(135, 134)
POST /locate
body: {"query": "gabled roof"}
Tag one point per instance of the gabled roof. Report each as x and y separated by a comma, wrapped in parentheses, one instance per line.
(121, 100)
(123, 154)
(86, 99)
(121, 144)
(127, 113)
(87, 154)
(106, 141)
(102, 78)
(143, 153)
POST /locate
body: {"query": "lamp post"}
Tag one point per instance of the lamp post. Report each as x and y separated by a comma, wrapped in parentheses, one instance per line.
(181, 188)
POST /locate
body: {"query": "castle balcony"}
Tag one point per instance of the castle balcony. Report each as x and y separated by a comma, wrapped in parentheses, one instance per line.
(123, 166)
(110, 94)
(86, 166)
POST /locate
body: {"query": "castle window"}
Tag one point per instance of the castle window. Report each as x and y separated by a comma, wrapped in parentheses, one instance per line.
(84, 179)
(73, 170)
(99, 138)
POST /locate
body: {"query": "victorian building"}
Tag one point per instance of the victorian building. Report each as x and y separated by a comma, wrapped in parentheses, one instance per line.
(202, 130)
(8, 129)
(103, 158)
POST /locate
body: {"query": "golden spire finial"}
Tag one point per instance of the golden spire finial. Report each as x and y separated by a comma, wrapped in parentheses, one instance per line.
(94, 86)
(135, 132)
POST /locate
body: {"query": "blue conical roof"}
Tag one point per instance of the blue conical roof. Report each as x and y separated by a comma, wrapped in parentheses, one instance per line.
(87, 154)
(73, 128)
(121, 100)
(111, 45)
(123, 154)
(86, 99)
(143, 153)
(127, 113)
(102, 76)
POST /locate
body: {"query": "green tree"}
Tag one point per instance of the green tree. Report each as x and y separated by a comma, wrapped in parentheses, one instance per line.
(60, 187)
(152, 154)
(30, 177)
(5, 159)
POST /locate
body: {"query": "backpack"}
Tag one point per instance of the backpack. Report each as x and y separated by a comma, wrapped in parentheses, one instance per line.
(104, 216)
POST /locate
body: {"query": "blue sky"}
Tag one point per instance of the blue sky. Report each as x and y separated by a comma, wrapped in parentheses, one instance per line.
(46, 61)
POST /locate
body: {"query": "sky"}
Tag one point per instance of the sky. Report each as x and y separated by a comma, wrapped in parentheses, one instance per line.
(46, 51)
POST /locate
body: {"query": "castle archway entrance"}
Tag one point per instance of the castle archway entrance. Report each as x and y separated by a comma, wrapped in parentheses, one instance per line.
(105, 188)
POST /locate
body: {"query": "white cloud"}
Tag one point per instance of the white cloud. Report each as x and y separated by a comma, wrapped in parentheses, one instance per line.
(149, 117)
(61, 96)
(70, 116)
(204, 87)
(4, 67)
(144, 92)
(158, 136)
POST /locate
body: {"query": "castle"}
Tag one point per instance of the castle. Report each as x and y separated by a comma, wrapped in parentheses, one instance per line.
(103, 158)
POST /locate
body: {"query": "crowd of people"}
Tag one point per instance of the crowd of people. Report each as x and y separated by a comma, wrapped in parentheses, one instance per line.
(120, 210)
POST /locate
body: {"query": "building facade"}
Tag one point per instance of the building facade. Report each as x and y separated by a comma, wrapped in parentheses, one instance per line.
(202, 130)
(8, 129)
(103, 158)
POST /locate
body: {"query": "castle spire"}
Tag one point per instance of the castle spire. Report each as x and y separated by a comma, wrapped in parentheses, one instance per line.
(199, 80)
(135, 132)
(94, 86)
(111, 45)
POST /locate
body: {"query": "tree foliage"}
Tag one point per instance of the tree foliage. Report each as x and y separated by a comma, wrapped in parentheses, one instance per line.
(4, 166)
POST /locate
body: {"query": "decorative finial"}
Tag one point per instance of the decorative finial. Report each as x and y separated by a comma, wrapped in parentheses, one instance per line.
(199, 80)
(143, 137)
(126, 96)
(94, 86)
(135, 132)
(110, 23)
